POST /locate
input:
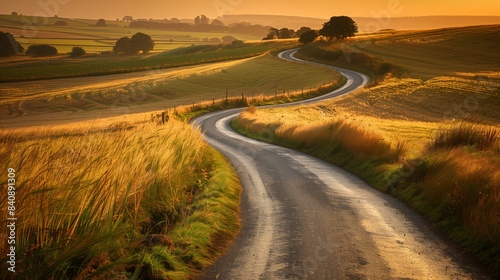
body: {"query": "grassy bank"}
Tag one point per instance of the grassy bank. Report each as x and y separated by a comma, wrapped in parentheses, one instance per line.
(132, 200)
(453, 182)
(426, 133)
(96, 39)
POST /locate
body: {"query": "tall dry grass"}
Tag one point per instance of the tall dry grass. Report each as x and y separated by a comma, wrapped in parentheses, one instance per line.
(467, 134)
(469, 185)
(454, 178)
(337, 132)
(93, 203)
(462, 170)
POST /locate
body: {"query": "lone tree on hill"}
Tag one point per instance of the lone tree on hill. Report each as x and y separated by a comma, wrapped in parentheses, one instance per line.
(340, 27)
(8, 45)
(41, 50)
(308, 37)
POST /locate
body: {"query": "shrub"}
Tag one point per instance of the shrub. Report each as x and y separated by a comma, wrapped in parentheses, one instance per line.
(41, 50)
(77, 51)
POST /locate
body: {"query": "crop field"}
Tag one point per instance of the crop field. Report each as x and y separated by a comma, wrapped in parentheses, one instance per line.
(95, 209)
(428, 132)
(64, 66)
(87, 97)
(96, 39)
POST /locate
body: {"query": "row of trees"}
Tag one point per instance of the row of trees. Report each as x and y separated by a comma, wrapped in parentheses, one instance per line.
(285, 33)
(239, 28)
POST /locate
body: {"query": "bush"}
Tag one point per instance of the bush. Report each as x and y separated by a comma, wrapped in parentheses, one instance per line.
(61, 23)
(77, 51)
(385, 68)
(41, 50)
(8, 45)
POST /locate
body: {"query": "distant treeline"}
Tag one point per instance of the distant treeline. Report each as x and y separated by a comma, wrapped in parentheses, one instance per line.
(239, 28)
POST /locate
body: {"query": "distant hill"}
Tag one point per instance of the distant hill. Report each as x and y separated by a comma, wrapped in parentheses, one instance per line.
(366, 23)
(275, 21)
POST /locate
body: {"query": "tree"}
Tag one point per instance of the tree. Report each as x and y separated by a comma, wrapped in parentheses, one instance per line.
(228, 39)
(101, 22)
(8, 45)
(122, 45)
(13, 14)
(41, 50)
(204, 20)
(201, 20)
(285, 33)
(308, 37)
(128, 18)
(340, 27)
(61, 23)
(138, 42)
(301, 31)
(272, 34)
(77, 51)
(141, 42)
(217, 22)
(215, 40)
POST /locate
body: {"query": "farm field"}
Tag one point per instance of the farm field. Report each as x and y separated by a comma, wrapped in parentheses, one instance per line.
(12, 70)
(71, 99)
(94, 39)
(95, 209)
(427, 132)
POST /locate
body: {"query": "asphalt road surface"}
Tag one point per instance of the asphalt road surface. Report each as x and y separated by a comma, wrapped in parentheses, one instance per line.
(306, 219)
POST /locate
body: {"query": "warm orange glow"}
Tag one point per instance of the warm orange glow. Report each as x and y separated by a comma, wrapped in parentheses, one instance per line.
(160, 9)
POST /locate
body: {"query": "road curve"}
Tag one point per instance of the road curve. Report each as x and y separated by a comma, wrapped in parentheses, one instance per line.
(306, 219)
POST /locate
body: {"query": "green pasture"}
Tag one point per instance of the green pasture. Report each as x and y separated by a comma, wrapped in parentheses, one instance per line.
(45, 68)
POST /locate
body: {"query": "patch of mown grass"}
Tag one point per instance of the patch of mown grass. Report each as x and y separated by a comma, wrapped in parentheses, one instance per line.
(136, 201)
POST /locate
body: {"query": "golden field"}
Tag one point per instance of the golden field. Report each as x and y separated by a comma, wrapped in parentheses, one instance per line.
(426, 131)
(123, 199)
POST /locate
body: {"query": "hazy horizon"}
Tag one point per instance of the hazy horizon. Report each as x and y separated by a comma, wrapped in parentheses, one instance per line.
(159, 9)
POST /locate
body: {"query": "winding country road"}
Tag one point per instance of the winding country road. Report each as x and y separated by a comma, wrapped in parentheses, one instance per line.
(306, 219)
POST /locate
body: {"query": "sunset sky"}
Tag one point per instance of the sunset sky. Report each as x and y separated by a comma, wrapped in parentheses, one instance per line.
(111, 9)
